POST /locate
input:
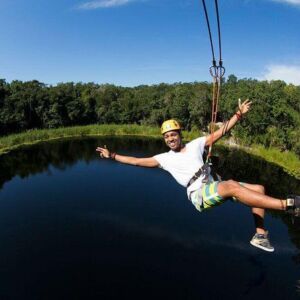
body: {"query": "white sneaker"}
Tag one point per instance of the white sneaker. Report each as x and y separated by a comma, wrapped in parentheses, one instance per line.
(293, 205)
(261, 241)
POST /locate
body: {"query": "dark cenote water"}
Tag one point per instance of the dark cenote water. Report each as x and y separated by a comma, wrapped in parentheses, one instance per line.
(73, 226)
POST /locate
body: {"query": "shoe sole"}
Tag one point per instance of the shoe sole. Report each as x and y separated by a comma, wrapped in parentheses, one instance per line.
(261, 247)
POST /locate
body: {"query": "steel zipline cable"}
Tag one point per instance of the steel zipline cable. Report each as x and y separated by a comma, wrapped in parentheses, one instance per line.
(209, 32)
(219, 34)
(217, 72)
(214, 63)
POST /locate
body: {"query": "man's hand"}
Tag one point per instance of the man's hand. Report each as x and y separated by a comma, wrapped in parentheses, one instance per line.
(103, 152)
(244, 107)
(150, 162)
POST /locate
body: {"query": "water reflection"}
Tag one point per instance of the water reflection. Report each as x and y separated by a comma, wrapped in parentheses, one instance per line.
(232, 163)
(260, 275)
(147, 242)
(64, 153)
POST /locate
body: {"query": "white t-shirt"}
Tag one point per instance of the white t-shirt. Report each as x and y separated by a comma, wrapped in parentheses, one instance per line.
(184, 165)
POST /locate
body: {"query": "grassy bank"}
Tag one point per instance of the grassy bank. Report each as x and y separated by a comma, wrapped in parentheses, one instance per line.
(10, 142)
(287, 160)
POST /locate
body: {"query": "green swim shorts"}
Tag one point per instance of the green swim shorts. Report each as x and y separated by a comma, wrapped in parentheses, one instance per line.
(207, 196)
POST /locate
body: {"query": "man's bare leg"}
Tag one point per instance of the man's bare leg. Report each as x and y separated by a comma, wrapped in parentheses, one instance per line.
(249, 197)
(253, 195)
(258, 213)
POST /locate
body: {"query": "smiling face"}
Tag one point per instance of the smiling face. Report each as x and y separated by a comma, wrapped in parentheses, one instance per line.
(173, 140)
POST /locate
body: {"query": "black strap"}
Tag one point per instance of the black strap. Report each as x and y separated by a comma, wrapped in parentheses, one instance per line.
(204, 170)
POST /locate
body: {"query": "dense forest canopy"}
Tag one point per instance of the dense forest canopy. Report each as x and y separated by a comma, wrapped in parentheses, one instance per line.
(274, 119)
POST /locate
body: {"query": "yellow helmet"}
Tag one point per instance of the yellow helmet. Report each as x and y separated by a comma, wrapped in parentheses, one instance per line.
(169, 125)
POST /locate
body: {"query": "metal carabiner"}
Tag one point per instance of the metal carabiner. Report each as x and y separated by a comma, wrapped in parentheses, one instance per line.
(206, 172)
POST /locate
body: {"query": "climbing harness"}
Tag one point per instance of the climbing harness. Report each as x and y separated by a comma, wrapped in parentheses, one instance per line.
(204, 170)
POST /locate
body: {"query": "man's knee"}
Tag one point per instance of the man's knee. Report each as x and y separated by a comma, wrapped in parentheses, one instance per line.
(232, 183)
(231, 186)
(259, 188)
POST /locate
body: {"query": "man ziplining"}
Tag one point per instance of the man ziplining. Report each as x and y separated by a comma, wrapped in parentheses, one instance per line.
(186, 165)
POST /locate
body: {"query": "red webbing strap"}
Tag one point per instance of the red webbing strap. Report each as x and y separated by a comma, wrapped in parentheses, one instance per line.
(217, 73)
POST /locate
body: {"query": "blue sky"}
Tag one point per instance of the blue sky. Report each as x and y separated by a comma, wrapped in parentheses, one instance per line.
(133, 42)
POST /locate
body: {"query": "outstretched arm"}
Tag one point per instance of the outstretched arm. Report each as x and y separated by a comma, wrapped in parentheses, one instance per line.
(243, 109)
(135, 161)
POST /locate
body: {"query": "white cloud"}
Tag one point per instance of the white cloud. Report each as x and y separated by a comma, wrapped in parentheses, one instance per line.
(289, 74)
(102, 4)
(293, 2)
